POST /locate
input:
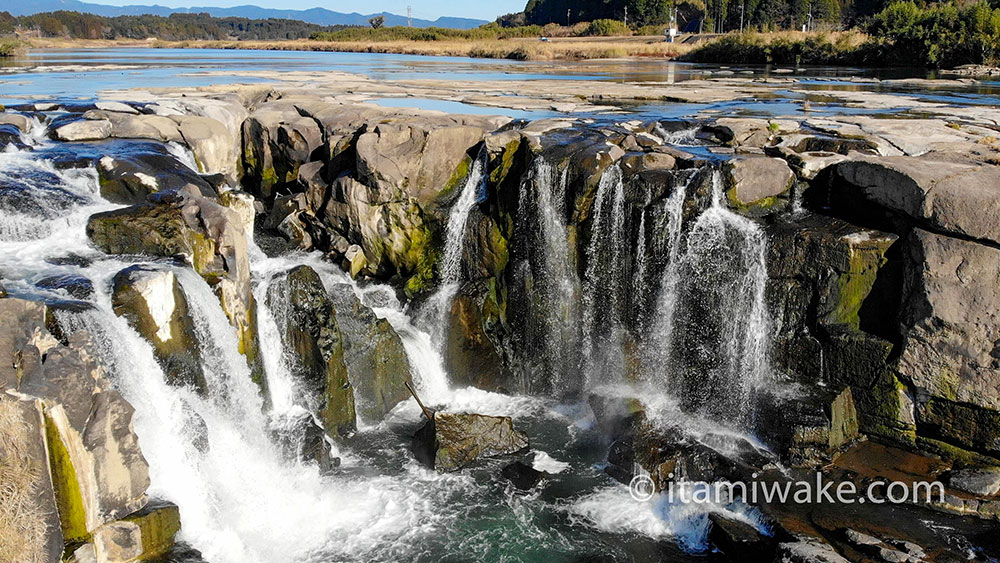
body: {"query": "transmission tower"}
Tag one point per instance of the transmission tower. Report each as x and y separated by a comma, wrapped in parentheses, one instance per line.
(409, 16)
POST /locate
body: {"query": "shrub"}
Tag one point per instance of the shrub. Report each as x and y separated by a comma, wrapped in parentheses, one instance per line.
(9, 47)
(606, 28)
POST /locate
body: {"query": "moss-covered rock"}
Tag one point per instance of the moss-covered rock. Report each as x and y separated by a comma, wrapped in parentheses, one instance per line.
(208, 236)
(452, 441)
(470, 356)
(809, 425)
(756, 184)
(312, 338)
(144, 535)
(376, 360)
(154, 305)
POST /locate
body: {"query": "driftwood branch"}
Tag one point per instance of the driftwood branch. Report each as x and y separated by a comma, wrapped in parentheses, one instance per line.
(427, 412)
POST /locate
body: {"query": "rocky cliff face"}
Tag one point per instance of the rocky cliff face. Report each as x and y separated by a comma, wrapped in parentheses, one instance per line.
(879, 252)
(864, 284)
(74, 475)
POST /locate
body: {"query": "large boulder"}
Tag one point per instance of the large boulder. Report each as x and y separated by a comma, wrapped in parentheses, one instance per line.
(208, 236)
(951, 329)
(134, 126)
(312, 337)
(377, 364)
(277, 141)
(757, 181)
(214, 146)
(98, 473)
(145, 535)
(19, 121)
(417, 157)
(450, 441)
(953, 198)
(83, 130)
(154, 305)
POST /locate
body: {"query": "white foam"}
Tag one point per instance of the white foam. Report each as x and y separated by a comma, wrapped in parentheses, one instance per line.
(545, 462)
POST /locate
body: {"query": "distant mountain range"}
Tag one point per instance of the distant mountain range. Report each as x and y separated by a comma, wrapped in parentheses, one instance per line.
(319, 16)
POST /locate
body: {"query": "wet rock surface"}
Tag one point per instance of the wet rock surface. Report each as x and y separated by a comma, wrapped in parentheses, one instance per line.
(80, 472)
(312, 334)
(451, 441)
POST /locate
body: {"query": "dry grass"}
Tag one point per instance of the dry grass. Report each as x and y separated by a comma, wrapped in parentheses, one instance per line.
(569, 48)
(22, 525)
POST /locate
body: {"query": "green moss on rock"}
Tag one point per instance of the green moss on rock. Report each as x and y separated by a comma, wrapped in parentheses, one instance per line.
(69, 498)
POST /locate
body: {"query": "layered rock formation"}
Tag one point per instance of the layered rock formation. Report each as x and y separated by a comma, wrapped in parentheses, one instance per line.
(74, 471)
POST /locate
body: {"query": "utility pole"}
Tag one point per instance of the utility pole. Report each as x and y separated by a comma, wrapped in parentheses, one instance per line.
(409, 16)
(567, 17)
(742, 4)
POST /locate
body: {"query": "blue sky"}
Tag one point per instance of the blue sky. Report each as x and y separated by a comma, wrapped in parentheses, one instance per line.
(424, 9)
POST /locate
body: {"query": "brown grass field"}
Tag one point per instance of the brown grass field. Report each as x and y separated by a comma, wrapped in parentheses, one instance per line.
(559, 48)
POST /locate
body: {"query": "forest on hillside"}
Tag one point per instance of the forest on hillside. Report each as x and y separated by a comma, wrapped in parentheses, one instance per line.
(712, 15)
(176, 27)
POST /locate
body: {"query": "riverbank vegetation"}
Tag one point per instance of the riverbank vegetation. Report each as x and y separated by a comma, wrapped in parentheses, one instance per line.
(175, 27)
(9, 47)
(862, 32)
(903, 34)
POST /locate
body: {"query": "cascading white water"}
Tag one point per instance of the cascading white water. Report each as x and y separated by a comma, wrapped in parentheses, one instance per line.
(40, 201)
(683, 137)
(714, 331)
(185, 155)
(550, 270)
(242, 498)
(450, 270)
(671, 222)
(604, 282)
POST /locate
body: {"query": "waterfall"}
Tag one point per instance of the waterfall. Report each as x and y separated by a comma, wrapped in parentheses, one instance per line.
(226, 371)
(604, 286)
(450, 271)
(714, 331)
(671, 222)
(683, 137)
(546, 271)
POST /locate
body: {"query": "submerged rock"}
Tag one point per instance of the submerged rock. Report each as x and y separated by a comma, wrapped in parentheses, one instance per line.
(522, 475)
(451, 441)
(984, 481)
(76, 286)
(155, 306)
(303, 440)
(807, 550)
(739, 540)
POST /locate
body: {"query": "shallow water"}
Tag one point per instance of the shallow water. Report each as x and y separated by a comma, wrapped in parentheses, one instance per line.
(56, 73)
